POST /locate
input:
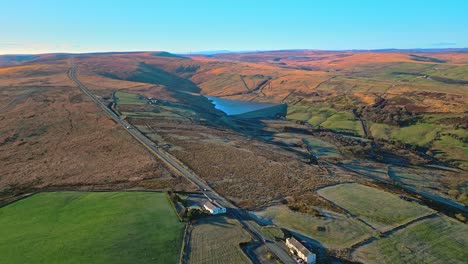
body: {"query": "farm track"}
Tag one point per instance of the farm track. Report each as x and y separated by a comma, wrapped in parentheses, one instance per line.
(185, 252)
(182, 170)
(390, 232)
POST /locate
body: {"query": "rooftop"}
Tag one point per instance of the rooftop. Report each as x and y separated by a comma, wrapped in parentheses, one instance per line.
(212, 205)
(298, 245)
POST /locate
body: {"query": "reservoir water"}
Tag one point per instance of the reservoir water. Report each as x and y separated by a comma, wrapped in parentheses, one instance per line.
(237, 107)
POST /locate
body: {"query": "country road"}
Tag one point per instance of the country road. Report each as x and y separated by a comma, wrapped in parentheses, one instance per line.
(179, 168)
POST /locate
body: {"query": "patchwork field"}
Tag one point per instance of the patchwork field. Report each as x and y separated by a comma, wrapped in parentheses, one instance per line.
(81, 227)
(315, 116)
(217, 240)
(436, 240)
(333, 230)
(380, 209)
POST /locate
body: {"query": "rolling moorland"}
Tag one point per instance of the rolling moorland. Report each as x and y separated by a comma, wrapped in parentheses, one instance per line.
(384, 128)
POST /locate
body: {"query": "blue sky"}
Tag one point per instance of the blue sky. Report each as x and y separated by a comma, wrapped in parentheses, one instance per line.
(184, 26)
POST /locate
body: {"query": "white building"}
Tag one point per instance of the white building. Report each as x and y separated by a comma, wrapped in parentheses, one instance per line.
(214, 208)
(300, 250)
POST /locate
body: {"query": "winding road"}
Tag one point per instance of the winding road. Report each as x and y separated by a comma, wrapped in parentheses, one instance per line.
(180, 169)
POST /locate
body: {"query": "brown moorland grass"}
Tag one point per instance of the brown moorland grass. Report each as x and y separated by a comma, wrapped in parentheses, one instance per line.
(250, 172)
(340, 90)
(338, 59)
(322, 84)
(53, 135)
(363, 76)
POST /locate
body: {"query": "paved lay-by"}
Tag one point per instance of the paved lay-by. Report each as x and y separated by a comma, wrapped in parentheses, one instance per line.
(175, 165)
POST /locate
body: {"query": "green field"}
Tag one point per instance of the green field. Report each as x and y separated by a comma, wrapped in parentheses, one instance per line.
(322, 148)
(439, 132)
(90, 227)
(216, 240)
(273, 232)
(339, 231)
(436, 240)
(129, 98)
(343, 122)
(450, 71)
(457, 150)
(421, 134)
(326, 117)
(313, 115)
(380, 131)
(380, 209)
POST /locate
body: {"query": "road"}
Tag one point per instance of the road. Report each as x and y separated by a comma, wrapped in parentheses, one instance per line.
(177, 166)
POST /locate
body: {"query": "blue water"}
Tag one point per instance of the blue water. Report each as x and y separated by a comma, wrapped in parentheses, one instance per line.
(236, 107)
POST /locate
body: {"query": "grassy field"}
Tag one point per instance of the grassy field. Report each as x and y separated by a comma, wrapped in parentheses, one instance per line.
(313, 115)
(272, 232)
(452, 72)
(129, 98)
(437, 132)
(216, 240)
(380, 209)
(79, 227)
(326, 117)
(456, 149)
(343, 122)
(420, 134)
(322, 148)
(435, 240)
(339, 231)
(447, 142)
(380, 131)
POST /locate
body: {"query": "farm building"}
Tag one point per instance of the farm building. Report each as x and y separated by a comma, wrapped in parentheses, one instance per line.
(300, 250)
(214, 208)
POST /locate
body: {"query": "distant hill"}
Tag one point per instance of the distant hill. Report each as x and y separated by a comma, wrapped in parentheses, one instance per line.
(6, 60)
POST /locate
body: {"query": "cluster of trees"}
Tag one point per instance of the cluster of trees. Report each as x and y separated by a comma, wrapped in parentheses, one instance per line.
(185, 213)
(191, 214)
(174, 197)
(460, 122)
(381, 113)
(306, 203)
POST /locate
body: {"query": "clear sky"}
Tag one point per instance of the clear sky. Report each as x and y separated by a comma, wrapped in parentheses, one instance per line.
(39, 26)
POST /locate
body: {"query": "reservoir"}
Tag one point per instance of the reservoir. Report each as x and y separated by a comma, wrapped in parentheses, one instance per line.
(237, 107)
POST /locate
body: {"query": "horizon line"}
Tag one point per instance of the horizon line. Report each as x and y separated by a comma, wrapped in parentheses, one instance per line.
(201, 52)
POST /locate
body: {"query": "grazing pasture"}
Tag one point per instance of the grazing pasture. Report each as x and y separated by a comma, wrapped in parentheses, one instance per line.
(90, 227)
(381, 210)
(332, 229)
(217, 239)
(434, 240)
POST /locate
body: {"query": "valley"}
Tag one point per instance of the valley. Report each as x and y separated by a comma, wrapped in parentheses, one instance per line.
(324, 144)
